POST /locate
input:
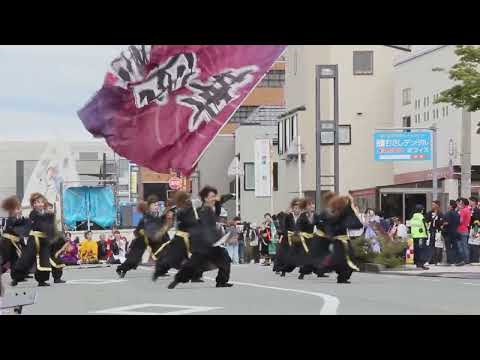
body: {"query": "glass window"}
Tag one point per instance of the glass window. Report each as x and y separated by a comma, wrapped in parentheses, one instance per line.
(124, 165)
(406, 96)
(249, 176)
(275, 176)
(406, 122)
(273, 79)
(363, 63)
(280, 138)
(288, 126)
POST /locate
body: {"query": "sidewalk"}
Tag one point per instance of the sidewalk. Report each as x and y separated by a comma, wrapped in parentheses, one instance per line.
(471, 271)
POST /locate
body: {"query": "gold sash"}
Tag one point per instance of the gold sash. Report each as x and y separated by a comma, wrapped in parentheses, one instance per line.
(186, 238)
(302, 236)
(14, 240)
(37, 235)
(344, 240)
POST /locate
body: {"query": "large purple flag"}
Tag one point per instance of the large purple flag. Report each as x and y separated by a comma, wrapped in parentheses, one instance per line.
(162, 105)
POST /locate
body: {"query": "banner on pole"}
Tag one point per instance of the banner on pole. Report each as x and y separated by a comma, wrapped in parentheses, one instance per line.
(263, 175)
(162, 105)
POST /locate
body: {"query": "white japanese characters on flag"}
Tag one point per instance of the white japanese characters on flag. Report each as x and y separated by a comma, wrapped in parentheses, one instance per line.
(263, 176)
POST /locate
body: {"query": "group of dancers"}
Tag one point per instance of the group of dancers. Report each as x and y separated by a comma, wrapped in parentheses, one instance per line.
(318, 243)
(31, 243)
(187, 238)
(184, 237)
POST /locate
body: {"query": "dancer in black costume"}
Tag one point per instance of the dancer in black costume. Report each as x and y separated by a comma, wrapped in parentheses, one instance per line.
(293, 243)
(17, 228)
(176, 249)
(147, 234)
(57, 246)
(313, 236)
(340, 218)
(202, 226)
(277, 263)
(37, 249)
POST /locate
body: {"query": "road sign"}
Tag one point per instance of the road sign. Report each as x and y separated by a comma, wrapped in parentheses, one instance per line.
(175, 183)
(398, 146)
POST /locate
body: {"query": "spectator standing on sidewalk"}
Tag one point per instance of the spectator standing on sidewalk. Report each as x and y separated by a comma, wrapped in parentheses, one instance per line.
(435, 220)
(463, 229)
(241, 243)
(231, 243)
(450, 226)
(474, 240)
(420, 237)
(398, 230)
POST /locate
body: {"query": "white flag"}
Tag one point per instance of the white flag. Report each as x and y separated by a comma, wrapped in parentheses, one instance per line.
(234, 168)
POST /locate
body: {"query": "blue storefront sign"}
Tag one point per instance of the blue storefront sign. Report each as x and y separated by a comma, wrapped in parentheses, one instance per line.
(397, 146)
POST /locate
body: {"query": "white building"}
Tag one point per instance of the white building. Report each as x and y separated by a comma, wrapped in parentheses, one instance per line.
(365, 74)
(416, 87)
(260, 125)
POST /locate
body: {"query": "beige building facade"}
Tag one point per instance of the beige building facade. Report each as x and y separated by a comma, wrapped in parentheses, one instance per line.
(365, 85)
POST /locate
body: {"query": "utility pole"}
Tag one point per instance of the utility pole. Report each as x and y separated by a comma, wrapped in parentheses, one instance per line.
(299, 151)
(435, 163)
(466, 185)
(329, 126)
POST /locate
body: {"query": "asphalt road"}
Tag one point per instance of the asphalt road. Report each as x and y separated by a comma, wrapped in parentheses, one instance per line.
(257, 290)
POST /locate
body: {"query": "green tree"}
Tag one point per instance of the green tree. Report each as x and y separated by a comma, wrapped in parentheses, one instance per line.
(466, 91)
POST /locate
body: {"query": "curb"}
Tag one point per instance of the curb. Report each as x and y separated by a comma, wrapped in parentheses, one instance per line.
(76, 267)
(371, 268)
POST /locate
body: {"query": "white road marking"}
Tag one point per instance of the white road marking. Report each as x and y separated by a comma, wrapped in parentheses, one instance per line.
(128, 310)
(330, 306)
(469, 283)
(95, 281)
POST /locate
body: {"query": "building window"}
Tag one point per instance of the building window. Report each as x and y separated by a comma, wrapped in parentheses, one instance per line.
(273, 79)
(446, 110)
(443, 111)
(406, 123)
(242, 113)
(124, 167)
(428, 115)
(293, 127)
(280, 134)
(275, 176)
(249, 176)
(406, 96)
(363, 63)
(437, 113)
(428, 100)
(288, 127)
